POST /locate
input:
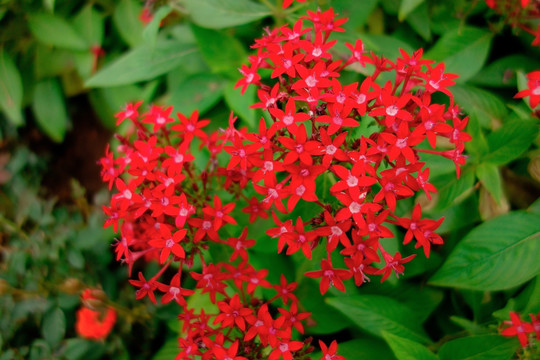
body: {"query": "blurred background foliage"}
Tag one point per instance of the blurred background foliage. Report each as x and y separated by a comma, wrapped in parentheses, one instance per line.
(66, 67)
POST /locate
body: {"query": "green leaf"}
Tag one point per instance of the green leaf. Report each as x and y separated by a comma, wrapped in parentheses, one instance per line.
(357, 12)
(198, 92)
(142, 63)
(464, 51)
(500, 254)
(375, 314)
(502, 72)
(223, 53)
(486, 106)
(483, 347)
(419, 21)
(452, 190)
(126, 20)
(405, 349)
(53, 326)
(510, 141)
(490, 177)
(468, 325)
(168, 351)
(90, 24)
(51, 62)
(219, 14)
(11, 89)
(406, 7)
(55, 31)
(76, 349)
(386, 45)
(326, 319)
(240, 104)
(50, 110)
(151, 30)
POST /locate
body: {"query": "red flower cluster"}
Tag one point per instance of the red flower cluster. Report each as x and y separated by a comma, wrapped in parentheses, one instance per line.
(522, 329)
(94, 322)
(180, 190)
(313, 139)
(518, 14)
(167, 209)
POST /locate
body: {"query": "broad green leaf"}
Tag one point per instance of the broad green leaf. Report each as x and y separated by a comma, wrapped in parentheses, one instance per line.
(490, 177)
(84, 63)
(219, 14)
(452, 190)
(502, 72)
(76, 349)
(419, 21)
(168, 351)
(405, 349)
(151, 30)
(442, 17)
(240, 103)
(361, 349)
(482, 347)
(142, 63)
(385, 45)
(421, 300)
(499, 254)
(468, 325)
(326, 319)
(510, 141)
(457, 217)
(126, 20)
(406, 7)
(50, 110)
(55, 31)
(477, 147)
(53, 326)
(198, 92)
(223, 53)
(375, 314)
(90, 24)
(51, 62)
(356, 11)
(463, 50)
(11, 89)
(486, 106)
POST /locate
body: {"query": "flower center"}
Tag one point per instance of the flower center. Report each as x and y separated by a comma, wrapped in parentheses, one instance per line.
(392, 110)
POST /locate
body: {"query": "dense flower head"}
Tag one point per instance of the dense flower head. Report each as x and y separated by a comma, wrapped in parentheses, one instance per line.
(182, 190)
(520, 14)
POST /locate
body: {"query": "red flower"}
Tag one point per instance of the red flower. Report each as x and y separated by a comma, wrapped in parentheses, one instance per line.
(518, 328)
(330, 276)
(94, 324)
(329, 353)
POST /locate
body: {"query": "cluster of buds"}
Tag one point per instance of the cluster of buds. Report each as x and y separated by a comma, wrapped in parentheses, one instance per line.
(182, 191)
(519, 14)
